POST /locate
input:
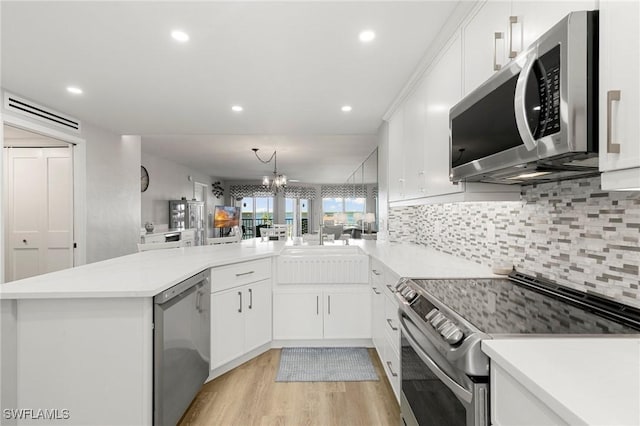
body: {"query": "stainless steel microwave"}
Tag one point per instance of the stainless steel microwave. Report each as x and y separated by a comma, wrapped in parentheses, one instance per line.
(536, 119)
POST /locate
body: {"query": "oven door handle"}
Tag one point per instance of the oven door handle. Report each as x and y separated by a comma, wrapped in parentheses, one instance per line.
(454, 386)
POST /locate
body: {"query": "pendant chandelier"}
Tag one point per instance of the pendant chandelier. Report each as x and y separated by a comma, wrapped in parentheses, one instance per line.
(277, 181)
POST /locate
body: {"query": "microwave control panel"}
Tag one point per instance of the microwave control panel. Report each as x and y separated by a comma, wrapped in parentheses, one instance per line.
(549, 86)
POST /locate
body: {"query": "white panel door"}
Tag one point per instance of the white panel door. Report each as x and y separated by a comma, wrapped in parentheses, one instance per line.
(59, 209)
(414, 141)
(396, 156)
(619, 74)
(443, 91)
(482, 48)
(257, 314)
(39, 209)
(227, 326)
(297, 315)
(347, 314)
(535, 18)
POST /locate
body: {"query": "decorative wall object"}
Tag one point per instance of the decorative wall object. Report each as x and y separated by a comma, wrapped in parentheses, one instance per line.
(571, 232)
(217, 190)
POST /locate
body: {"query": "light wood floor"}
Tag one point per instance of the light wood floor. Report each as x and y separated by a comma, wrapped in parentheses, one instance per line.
(249, 395)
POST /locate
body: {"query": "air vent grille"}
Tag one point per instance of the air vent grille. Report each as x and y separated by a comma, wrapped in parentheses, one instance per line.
(37, 112)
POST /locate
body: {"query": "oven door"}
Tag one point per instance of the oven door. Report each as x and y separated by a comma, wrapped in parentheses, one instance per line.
(433, 392)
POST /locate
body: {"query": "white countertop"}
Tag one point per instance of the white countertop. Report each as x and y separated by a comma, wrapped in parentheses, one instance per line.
(148, 273)
(585, 381)
(414, 261)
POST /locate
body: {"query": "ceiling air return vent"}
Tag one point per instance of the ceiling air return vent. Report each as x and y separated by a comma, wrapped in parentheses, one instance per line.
(30, 109)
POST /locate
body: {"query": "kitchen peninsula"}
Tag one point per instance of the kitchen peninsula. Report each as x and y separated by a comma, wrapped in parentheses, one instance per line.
(81, 339)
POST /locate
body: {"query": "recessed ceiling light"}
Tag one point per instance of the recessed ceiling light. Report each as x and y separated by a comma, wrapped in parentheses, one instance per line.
(346, 108)
(237, 108)
(366, 36)
(180, 35)
(74, 90)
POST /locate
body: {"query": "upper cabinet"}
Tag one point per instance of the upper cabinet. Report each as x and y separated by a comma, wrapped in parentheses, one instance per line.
(485, 43)
(497, 31)
(619, 95)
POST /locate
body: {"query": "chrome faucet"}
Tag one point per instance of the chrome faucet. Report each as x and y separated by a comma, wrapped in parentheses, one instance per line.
(320, 236)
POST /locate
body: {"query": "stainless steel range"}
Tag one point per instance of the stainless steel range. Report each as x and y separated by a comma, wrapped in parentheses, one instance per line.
(445, 374)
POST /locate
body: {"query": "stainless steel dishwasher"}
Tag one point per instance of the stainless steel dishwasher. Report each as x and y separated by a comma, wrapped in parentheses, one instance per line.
(181, 336)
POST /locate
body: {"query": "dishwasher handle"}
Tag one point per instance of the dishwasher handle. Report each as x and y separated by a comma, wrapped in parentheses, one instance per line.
(181, 289)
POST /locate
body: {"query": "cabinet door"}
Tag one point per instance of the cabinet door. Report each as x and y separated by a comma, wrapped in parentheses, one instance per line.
(414, 110)
(396, 156)
(257, 307)
(619, 71)
(481, 49)
(534, 19)
(443, 91)
(297, 315)
(227, 326)
(377, 317)
(347, 314)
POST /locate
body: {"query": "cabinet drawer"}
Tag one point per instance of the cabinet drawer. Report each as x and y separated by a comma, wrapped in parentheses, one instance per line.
(390, 281)
(391, 364)
(392, 328)
(224, 277)
(377, 272)
(157, 238)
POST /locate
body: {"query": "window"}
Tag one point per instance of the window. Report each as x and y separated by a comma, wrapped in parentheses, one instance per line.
(256, 212)
(297, 215)
(346, 211)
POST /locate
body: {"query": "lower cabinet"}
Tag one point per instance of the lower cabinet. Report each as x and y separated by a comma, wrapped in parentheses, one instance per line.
(384, 320)
(513, 404)
(240, 321)
(315, 312)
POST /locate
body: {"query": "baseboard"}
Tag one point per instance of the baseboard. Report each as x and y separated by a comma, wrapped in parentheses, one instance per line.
(219, 371)
(323, 343)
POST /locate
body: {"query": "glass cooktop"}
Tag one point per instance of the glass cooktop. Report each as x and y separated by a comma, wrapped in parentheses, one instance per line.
(501, 306)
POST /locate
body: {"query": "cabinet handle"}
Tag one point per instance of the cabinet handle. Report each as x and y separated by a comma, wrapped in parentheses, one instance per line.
(317, 305)
(390, 288)
(245, 273)
(496, 37)
(375, 272)
(391, 324)
(250, 299)
(240, 308)
(329, 307)
(375, 290)
(512, 20)
(391, 369)
(612, 95)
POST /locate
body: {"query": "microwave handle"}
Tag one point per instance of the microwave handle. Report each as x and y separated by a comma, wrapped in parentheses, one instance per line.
(520, 105)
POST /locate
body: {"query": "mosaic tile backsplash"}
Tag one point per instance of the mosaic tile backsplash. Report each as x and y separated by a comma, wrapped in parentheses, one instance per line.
(571, 232)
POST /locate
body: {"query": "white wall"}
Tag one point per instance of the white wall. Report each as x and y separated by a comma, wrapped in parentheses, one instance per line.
(169, 180)
(113, 193)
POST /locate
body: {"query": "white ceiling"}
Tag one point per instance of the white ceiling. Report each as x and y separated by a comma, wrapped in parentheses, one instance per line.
(291, 65)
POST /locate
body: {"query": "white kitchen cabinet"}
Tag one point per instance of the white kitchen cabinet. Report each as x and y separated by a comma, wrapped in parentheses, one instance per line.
(497, 31)
(322, 312)
(534, 18)
(347, 314)
(240, 321)
(485, 43)
(377, 304)
(513, 404)
(396, 156)
(619, 94)
(414, 140)
(227, 326)
(297, 315)
(443, 90)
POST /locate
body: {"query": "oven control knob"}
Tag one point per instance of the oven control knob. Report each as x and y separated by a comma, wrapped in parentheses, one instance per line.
(405, 293)
(411, 295)
(438, 320)
(453, 336)
(432, 313)
(444, 325)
